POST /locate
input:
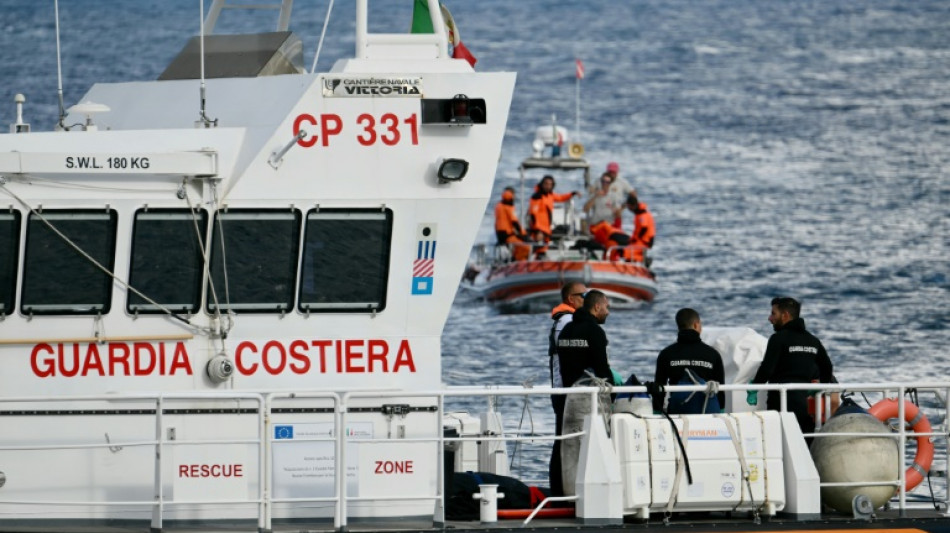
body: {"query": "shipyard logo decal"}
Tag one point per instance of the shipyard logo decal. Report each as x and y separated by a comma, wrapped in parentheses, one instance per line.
(423, 268)
(372, 87)
(330, 85)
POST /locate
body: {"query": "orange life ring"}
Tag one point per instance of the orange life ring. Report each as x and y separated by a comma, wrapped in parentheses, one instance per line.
(887, 409)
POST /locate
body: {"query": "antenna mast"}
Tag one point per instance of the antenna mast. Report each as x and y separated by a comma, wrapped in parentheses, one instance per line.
(202, 117)
(59, 72)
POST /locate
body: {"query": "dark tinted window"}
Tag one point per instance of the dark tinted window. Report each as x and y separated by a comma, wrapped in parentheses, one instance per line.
(9, 253)
(166, 260)
(345, 263)
(60, 277)
(260, 252)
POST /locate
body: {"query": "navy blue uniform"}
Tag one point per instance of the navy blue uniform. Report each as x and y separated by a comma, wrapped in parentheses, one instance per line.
(794, 355)
(688, 352)
(582, 345)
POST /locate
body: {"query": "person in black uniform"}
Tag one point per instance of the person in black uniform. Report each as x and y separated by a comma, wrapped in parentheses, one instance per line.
(572, 298)
(688, 352)
(793, 355)
(583, 343)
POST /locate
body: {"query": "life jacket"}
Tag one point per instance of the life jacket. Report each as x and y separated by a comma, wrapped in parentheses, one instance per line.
(556, 314)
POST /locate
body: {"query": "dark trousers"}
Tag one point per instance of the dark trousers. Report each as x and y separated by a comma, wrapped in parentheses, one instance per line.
(798, 405)
(554, 467)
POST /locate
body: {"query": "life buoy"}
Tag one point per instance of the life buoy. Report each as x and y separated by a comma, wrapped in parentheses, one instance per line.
(887, 409)
(575, 150)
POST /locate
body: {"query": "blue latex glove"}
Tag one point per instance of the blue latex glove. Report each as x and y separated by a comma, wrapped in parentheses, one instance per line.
(752, 397)
(618, 379)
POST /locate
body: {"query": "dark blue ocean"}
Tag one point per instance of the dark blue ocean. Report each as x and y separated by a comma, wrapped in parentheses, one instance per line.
(794, 148)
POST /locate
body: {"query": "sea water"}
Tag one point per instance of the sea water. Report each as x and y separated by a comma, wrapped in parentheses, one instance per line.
(794, 148)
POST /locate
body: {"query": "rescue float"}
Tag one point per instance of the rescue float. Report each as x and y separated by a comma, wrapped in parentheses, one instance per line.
(514, 280)
(222, 295)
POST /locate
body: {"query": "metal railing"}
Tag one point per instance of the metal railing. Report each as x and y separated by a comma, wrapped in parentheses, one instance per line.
(263, 441)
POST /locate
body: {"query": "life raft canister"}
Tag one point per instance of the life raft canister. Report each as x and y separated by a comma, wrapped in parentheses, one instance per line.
(888, 408)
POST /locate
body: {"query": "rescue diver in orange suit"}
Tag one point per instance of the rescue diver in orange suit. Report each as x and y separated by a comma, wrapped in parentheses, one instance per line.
(644, 229)
(508, 229)
(541, 209)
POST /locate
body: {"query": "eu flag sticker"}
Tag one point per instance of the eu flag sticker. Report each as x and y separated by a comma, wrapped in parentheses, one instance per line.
(283, 432)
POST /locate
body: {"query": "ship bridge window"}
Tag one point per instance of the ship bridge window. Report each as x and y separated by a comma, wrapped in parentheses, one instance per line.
(167, 263)
(60, 275)
(254, 260)
(10, 250)
(345, 263)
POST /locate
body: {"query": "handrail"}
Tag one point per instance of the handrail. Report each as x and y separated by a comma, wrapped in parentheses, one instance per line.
(157, 501)
(364, 39)
(264, 424)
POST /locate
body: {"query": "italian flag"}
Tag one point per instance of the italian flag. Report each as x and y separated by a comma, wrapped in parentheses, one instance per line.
(422, 23)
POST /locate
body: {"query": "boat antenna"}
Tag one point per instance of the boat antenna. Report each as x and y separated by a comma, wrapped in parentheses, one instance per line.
(323, 34)
(202, 117)
(59, 72)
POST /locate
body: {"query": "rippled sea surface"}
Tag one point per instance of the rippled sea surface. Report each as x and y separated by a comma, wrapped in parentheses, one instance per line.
(785, 148)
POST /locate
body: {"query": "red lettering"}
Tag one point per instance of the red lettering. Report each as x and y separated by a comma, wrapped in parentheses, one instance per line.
(301, 363)
(377, 350)
(352, 355)
(404, 357)
(394, 467)
(213, 470)
(369, 124)
(270, 347)
(179, 360)
(48, 367)
(338, 356)
(391, 122)
(323, 354)
(62, 361)
(306, 143)
(413, 128)
(119, 357)
(93, 361)
(239, 358)
(330, 125)
(138, 349)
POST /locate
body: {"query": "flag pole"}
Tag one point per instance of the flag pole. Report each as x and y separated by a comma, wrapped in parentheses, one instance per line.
(578, 76)
(577, 108)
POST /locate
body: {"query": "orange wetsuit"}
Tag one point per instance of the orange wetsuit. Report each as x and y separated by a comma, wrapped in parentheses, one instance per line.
(644, 232)
(541, 209)
(507, 227)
